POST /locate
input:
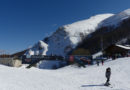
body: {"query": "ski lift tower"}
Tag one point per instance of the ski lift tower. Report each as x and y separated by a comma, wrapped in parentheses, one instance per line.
(102, 43)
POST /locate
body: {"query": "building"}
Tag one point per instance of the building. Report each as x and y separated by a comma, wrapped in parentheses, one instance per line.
(19, 54)
(11, 62)
(117, 51)
(5, 56)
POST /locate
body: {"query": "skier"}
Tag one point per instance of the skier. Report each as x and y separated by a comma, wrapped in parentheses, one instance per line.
(108, 74)
(102, 61)
(97, 62)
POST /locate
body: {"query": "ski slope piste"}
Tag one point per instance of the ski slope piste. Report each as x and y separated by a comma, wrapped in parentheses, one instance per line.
(67, 78)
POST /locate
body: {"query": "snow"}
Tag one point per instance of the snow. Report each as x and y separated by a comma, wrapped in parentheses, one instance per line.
(97, 54)
(38, 49)
(53, 64)
(85, 26)
(67, 78)
(68, 36)
(116, 19)
(125, 47)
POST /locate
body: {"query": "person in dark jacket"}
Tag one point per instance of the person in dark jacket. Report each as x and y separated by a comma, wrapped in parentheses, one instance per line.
(102, 62)
(97, 62)
(108, 75)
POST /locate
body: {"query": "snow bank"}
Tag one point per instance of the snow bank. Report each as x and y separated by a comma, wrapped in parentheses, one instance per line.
(54, 64)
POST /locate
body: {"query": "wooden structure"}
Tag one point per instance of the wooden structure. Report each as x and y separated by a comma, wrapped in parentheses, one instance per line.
(117, 50)
(19, 54)
(80, 51)
(5, 56)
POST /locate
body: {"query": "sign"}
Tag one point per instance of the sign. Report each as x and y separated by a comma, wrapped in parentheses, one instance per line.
(71, 59)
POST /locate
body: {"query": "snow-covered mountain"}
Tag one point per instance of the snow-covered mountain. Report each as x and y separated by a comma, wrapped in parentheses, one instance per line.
(38, 49)
(116, 19)
(113, 30)
(67, 37)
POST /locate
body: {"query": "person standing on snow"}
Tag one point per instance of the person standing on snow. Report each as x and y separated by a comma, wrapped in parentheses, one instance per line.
(97, 62)
(108, 74)
(102, 62)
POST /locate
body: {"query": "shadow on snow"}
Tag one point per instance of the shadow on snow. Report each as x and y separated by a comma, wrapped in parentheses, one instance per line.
(92, 85)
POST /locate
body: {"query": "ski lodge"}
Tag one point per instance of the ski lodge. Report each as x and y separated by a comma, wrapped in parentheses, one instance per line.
(12, 60)
(117, 51)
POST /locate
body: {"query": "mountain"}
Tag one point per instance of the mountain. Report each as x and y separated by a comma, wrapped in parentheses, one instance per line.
(116, 19)
(38, 49)
(115, 29)
(93, 35)
(67, 37)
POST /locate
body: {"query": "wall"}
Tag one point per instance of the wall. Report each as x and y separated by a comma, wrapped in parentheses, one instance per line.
(11, 62)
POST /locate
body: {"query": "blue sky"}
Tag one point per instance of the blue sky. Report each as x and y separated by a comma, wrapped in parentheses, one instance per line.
(24, 22)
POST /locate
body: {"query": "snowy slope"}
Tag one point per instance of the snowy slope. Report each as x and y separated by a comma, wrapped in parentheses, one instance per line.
(116, 19)
(38, 49)
(68, 78)
(68, 36)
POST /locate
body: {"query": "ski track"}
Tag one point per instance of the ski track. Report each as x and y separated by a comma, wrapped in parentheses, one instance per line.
(67, 78)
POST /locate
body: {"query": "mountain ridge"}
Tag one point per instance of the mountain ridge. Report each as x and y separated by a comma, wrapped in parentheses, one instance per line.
(65, 38)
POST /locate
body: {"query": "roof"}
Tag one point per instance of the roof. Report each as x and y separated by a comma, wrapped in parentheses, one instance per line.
(19, 53)
(124, 47)
(97, 54)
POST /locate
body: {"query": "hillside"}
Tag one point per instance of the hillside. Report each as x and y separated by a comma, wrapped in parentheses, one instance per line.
(67, 78)
(116, 29)
(110, 28)
(66, 37)
(92, 35)
(116, 19)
